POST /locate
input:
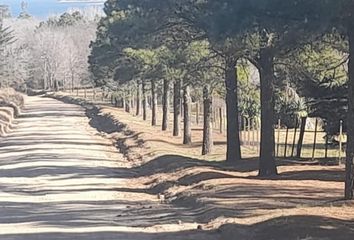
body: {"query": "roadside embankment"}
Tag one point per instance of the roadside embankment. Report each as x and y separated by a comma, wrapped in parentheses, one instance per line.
(11, 103)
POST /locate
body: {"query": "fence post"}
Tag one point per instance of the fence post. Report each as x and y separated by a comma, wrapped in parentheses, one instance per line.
(221, 120)
(225, 120)
(294, 139)
(240, 127)
(340, 140)
(216, 116)
(286, 142)
(314, 141)
(326, 147)
(249, 131)
(253, 132)
(197, 113)
(258, 135)
(301, 137)
(112, 99)
(244, 132)
(278, 138)
(85, 93)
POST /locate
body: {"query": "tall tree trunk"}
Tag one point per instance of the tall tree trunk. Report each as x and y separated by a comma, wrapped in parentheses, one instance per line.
(187, 131)
(153, 103)
(165, 104)
(116, 102)
(45, 77)
(233, 138)
(143, 86)
(267, 165)
(197, 108)
(130, 101)
(207, 127)
(138, 99)
(349, 171)
(56, 85)
(124, 103)
(301, 137)
(45, 83)
(176, 107)
(64, 83)
(50, 84)
(72, 82)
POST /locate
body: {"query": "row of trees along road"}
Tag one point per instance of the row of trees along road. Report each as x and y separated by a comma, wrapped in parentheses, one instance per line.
(193, 49)
(199, 45)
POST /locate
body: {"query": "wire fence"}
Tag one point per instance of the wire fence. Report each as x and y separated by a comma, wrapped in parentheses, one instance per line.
(310, 142)
(306, 140)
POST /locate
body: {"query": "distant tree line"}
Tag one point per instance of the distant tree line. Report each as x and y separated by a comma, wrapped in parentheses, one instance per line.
(49, 55)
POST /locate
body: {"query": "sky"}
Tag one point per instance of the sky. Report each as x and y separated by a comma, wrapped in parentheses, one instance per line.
(44, 8)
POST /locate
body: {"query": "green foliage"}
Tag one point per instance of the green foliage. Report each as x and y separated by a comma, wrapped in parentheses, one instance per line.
(249, 93)
(319, 73)
(24, 15)
(186, 34)
(64, 20)
(289, 109)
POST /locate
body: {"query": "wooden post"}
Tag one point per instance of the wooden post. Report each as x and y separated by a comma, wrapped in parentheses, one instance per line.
(85, 93)
(253, 126)
(225, 122)
(201, 111)
(197, 113)
(326, 147)
(240, 127)
(221, 121)
(112, 100)
(314, 140)
(301, 137)
(258, 135)
(149, 102)
(286, 142)
(181, 108)
(249, 131)
(215, 117)
(340, 140)
(278, 138)
(294, 139)
(244, 131)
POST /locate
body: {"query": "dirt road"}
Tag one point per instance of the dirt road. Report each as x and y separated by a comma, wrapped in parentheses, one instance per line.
(59, 179)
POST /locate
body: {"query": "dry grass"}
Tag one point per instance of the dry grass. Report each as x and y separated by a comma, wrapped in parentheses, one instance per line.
(11, 103)
(11, 96)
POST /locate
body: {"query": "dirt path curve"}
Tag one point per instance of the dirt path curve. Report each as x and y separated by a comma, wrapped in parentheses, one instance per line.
(60, 180)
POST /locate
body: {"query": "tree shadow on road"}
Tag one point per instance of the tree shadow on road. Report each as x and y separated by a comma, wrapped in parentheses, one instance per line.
(194, 191)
